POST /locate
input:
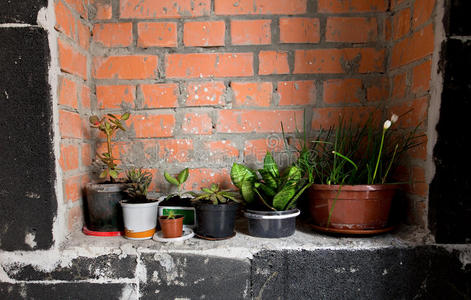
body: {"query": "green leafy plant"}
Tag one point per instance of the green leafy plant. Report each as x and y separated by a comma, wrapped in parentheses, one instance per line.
(178, 181)
(138, 184)
(351, 154)
(216, 196)
(276, 190)
(109, 124)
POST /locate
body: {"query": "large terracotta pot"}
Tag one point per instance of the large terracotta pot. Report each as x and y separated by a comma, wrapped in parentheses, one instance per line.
(354, 206)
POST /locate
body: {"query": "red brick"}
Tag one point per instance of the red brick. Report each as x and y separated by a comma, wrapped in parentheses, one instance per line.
(412, 48)
(252, 93)
(83, 32)
(421, 75)
(210, 33)
(151, 9)
(419, 152)
(349, 6)
(273, 62)
(351, 30)
(422, 12)
(240, 121)
(104, 11)
(175, 150)
(65, 21)
(419, 185)
(299, 30)
(297, 92)
(126, 67)
(80, 6)
(256, 149)
(418, 112)
(209, 65)
(203, 177)
(70, 124)
(85, 97)
(86, 155)
(118, 149)
(348, 90)
(396, 3)
(74, 218)
(388, 29)
(221, 151)
(377, 89)
(151, 34)
(329, 116)
(68, 92)
(160, 95)
(335, 60)
(261, 7)
(72, 188)
(69, 159)
(250, 32)
(399, 86)
(401, 23)
(71, 61)
(113, 34)
(197, 123)
(205, 93)
(153, 126)
(115, 96)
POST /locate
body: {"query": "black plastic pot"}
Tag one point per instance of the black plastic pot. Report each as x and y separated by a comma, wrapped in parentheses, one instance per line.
(104, 213)
(215, 221)
(272, 224)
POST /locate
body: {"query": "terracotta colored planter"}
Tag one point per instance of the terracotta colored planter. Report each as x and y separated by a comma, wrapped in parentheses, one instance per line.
(354, 206)
(171, 228)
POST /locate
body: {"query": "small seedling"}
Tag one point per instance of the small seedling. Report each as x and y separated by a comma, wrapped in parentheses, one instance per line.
(178, 181)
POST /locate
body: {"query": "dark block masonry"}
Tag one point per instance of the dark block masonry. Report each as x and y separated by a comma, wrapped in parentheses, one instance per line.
(27, 195)
(24, 11)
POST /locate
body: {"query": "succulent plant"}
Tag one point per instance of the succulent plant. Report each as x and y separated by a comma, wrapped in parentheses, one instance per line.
(109, 124)
(138, 184)
(216, 196)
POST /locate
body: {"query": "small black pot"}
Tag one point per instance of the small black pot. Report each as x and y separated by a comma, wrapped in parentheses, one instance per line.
(272, 224)
(104, 213)
(215, 221)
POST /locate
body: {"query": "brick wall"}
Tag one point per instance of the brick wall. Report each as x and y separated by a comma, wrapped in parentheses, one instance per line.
(209, 81)
(410, 32)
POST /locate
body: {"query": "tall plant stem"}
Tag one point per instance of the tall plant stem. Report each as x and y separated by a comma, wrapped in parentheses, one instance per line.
(379, 156)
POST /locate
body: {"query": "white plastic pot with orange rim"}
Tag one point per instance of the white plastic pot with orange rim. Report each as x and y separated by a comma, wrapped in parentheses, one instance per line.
(140, 219)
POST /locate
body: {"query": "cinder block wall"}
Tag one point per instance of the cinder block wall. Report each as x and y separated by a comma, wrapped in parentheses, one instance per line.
(209, 81)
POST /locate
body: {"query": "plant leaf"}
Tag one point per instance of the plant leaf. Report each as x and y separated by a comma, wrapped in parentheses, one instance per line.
(240, 173)
(268, 179)
(113, 174)
(125, 116)
(267, 190)
(282, 198)
(206, 190)
(270, 165)
(183, 176)
(104, 173)
(247, 192)
(292, 176)
(171, 179)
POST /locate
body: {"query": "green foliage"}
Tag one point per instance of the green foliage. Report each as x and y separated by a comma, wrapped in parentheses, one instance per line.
(178, 181)
(138, 184)
(216, 196)
(274, 190)
(349, 154)
(109, 124)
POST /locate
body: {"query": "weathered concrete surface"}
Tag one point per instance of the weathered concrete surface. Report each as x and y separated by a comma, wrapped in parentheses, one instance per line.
(24, 11)
(27, 196)
(195, 276)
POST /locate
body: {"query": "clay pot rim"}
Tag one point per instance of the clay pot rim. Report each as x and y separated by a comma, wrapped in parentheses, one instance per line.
(357, 187)
(177, 217)
(106, 187)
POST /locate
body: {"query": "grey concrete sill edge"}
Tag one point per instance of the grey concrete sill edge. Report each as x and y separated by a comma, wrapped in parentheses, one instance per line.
(245, 246)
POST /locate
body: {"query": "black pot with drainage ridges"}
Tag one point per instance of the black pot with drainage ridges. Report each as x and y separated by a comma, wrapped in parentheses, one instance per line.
(215, 221)
(272, 224)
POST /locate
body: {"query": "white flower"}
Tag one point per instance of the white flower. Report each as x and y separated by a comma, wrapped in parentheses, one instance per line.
(387, 124)
(394, 118)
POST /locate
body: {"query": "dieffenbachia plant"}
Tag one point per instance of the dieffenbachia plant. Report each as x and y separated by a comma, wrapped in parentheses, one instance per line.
(276, 191)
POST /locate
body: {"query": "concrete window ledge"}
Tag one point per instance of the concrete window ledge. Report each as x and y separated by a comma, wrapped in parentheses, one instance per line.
(307, 265)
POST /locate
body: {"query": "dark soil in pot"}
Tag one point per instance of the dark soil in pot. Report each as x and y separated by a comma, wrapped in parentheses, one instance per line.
(272, 224)
(103, 211)
(216, 221)
(176, 201)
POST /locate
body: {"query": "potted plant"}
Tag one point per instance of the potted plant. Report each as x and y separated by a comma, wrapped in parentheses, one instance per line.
(216, 210)
(352, 167)
(180, 201)
(139, 212)
(172, 225)
(271, 199)
(104, 215)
